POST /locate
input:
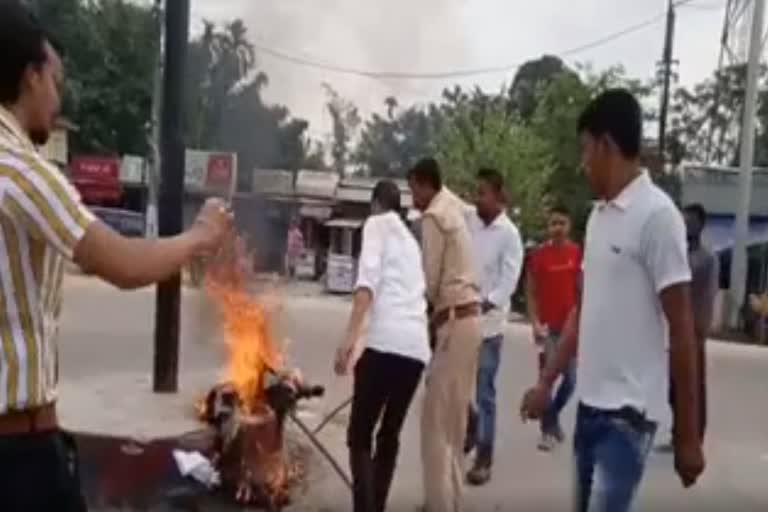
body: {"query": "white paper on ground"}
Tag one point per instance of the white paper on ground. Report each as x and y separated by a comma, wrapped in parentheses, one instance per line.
(197, 466)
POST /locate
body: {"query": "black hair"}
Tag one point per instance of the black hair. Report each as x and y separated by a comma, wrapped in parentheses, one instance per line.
(23, 40)
(560, 209)
(387, 194)
(427, 172)
(698, 211)
(615, 113)
(493, 178)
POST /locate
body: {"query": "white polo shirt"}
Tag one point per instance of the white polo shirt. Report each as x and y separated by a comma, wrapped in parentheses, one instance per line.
(635, 247)
(390, 266)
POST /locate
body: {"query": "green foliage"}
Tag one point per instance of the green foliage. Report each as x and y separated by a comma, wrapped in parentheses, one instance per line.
(498, 140)
(110, 49)
(345, 119)
(225, 109)
(390, 145)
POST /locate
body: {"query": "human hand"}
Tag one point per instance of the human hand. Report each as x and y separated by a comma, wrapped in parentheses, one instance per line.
(344, 358)
(213, 224)
(535, 402)
(689, 460)
(540, 333)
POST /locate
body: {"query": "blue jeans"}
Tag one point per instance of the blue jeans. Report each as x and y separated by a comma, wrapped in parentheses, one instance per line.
(550, 422)
(488, 367)
(610, 450)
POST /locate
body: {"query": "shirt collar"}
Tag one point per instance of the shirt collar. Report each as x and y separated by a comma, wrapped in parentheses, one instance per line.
(500, 220)
(629, 193)
(11, 130)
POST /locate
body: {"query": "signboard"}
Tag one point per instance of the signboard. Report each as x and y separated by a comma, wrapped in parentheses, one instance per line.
(56, 149)
(97, 178)
(132, 170)
(98, 169)
(208, 171)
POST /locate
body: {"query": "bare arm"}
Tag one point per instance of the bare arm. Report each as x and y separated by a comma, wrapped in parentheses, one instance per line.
(130, 263)
(676, 302)
(361, 304)
(530, 298)
(566, 351)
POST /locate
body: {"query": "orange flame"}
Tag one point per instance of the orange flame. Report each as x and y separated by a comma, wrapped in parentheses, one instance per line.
(252, 351)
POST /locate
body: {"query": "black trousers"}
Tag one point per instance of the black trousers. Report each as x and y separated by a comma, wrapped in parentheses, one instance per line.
(39, 473)
(383, 392)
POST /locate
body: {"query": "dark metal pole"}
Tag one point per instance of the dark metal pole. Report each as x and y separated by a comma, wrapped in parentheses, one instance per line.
(168, 302)
(667, 70)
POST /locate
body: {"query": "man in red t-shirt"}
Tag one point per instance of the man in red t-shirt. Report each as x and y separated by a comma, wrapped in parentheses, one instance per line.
(552, 287)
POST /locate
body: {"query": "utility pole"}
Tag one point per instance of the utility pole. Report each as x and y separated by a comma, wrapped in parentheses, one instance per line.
(666, 63)
(746, 160)
(168, 301)
(155, 164)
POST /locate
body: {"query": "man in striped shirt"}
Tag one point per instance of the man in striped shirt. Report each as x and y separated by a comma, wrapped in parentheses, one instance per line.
(43, 223)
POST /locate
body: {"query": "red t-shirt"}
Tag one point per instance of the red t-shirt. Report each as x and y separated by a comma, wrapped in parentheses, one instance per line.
(555, 270)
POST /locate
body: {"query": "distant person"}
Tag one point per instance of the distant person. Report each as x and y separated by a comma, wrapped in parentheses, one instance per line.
(43, 223)
(636, 302)
(294, 248)
(552, 287)
(390, 291)
(454, 298)
(498, 254)
(705, 278)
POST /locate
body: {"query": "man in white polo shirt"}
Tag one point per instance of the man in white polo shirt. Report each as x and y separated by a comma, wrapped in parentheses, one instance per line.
(635, 303)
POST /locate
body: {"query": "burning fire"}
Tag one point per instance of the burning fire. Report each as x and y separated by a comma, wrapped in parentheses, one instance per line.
(252, 351)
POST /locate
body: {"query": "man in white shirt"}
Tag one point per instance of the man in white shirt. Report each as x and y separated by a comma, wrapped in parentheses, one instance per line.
(498, 253)
(391, 291)
(635, 303)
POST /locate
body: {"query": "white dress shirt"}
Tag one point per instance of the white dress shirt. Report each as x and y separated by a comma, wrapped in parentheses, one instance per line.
(635, 248)
(499, 259)
(390, 267)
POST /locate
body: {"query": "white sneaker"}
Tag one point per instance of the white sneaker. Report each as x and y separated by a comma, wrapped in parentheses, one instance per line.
(547, 443)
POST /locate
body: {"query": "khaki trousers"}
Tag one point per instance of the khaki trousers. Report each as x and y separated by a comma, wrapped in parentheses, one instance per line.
(450, 386)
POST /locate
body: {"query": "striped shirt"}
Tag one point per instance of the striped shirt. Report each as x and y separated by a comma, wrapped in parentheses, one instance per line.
(42, 219)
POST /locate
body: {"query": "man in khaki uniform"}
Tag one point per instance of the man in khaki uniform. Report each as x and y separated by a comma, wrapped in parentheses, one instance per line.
(453, 295)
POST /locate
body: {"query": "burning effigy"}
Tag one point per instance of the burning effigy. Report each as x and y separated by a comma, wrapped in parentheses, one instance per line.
(248, 407)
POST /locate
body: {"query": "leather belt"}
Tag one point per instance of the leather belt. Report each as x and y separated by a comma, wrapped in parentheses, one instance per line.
(457, 312)
(42, 419)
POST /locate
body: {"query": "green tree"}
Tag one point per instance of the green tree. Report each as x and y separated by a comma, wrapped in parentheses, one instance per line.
(345, 119)
(391, 145)
(501, 141)
(110, 47)
(225, 107)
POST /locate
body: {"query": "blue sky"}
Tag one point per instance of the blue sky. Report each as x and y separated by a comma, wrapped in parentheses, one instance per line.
(440, 35)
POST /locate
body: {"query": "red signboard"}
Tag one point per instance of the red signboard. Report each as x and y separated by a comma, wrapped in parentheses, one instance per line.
(220, 171)
(96, 168)
(97, 178)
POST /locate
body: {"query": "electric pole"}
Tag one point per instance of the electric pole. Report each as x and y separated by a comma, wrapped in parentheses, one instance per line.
(168, 301)
(746, 160)
(666, 64)
(153, 169)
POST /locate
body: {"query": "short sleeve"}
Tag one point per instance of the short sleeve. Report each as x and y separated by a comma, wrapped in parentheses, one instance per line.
(664, 250)
(39, 197)
(371, 256)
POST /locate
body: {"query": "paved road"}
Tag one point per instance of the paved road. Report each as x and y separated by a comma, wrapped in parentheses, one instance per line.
(106, 356)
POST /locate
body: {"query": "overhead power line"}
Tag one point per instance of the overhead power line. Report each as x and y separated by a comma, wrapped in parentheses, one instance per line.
(438, 75)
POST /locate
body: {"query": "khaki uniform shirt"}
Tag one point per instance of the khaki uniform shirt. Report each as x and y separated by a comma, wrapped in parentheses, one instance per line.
(447, 252)
(41, 222)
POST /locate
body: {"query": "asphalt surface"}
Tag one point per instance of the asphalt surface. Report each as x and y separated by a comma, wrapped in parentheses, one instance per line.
(106, 358)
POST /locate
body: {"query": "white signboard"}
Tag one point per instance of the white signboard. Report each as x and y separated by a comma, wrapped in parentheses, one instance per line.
(132, 170)
(196, 167)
